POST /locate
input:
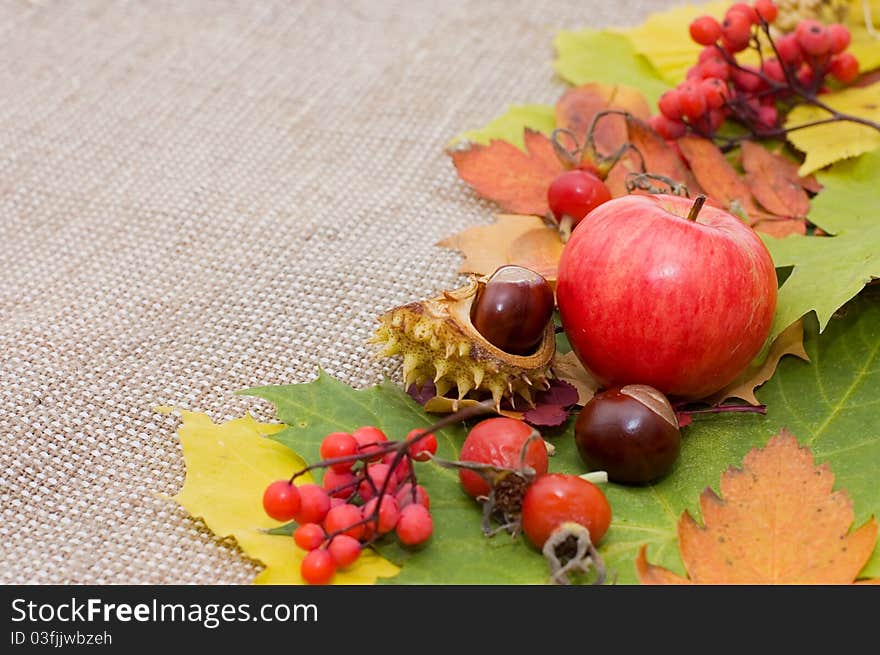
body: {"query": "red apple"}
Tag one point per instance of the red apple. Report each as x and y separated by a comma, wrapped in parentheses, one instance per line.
(652, 293)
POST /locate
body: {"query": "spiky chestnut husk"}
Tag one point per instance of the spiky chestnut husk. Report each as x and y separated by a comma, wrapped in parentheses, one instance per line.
(439, 343)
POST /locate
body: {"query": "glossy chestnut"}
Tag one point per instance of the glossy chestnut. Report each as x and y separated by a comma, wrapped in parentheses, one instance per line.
(630, 432)
(512, 309)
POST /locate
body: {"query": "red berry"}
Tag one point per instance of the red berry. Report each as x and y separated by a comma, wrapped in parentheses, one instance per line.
(424, 447)
(766, 9)
(715, 92)
(669, 105)
(805, 77)
(499, 442)
(402, 470)
(414, 525)
(343, 519)
(405, 496)
(339, 444)
(692, 101)
(339, 485)
(736, 31)
(378, 473)
(554, 499)
(389, 512)
(345, 550)
(369, 439)
(773, 69)
(666, 128)
(845, 67)
(281, 500)
(813, 37)
(840, 38)
(575, 194)
(705, 30)
(709, 52)
(314, 504)
(714, 68)
(767, 116)
(318, 567)
(789, 50)
(309, 536)
(716, 119)
(749, 12)
(747, 79)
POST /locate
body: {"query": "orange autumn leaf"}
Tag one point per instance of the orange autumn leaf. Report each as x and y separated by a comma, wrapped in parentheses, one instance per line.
(781, 227)
(718, 178)
(512, 239)
(658, 159)
(578, 107)
(514, 179)
(777, 522)
(789, 342)
(538, 250)
(774, 181)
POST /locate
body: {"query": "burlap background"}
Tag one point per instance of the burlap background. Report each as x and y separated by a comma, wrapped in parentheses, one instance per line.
(201, 196)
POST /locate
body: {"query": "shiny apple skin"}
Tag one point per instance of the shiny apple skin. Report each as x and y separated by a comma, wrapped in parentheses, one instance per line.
(647, 296)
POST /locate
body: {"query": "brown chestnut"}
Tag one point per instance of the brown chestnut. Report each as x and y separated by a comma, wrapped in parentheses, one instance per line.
(512, 309)
(630, 432)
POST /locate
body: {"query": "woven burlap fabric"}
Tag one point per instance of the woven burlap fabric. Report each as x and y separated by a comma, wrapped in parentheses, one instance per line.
(201, 196)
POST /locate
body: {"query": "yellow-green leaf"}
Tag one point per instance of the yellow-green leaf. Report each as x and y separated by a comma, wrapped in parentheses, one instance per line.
(831, 142)
(511, 125)
(592, 55)
(664, 41)
(865, 45)
(228, 465)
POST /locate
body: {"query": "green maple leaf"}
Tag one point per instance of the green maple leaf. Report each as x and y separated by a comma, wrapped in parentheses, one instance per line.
(830, 405)
(828, 271)
(599, 56)
(457, 551)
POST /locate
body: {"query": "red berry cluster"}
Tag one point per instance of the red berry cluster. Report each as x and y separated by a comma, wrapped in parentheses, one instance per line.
(369, 489)
(719, 87)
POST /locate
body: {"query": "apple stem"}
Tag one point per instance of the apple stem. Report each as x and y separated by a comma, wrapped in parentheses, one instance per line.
(699, 201)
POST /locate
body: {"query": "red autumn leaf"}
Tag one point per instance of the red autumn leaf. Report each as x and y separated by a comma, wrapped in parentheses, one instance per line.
(578, 107)
(718, 178)
(774, 181)
(777, 521)
(514, 179)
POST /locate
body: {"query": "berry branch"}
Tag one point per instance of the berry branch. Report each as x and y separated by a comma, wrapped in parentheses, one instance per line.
(369, 489)
(720, 87)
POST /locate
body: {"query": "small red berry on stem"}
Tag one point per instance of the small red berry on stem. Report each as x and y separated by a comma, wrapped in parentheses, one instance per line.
(736, 31)
(318, 567)
(281, 500)
(314, 504)
(766, 9)
(344, 519)
(309, 536)
(575, 194)
(813, 37)
(345, 550)
(705, 30)
(414, 525)
(422, 449)
(339, 444)
(844, 67)
(840, 38)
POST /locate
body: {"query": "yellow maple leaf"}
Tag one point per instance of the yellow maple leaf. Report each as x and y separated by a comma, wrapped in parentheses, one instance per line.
(777, 522)
(831, 142)
(664, 41)
(228, 466)
(789, 342)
